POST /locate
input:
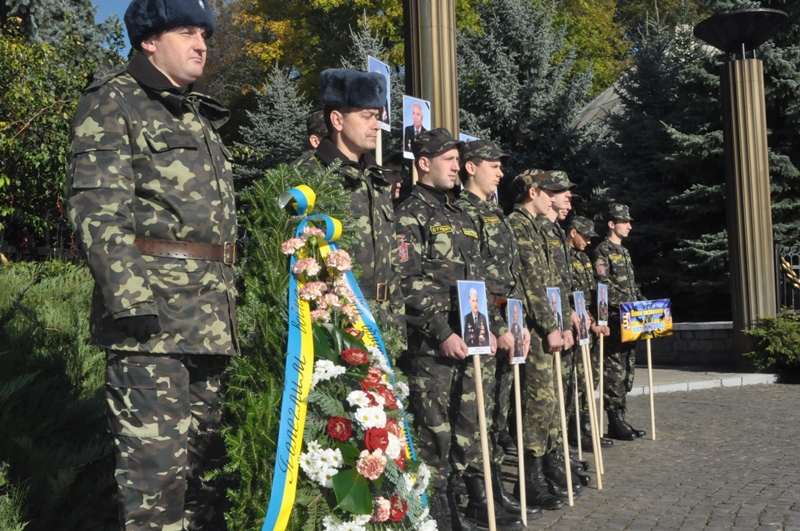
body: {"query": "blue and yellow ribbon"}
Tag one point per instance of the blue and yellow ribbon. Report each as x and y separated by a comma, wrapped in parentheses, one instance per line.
(300, 362)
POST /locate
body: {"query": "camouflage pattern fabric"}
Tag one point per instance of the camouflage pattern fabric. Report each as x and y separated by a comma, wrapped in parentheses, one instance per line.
(501, 263)
(377, 247)
(148, 161)
(439, 246)
(583, 275)
(542, 429)
(612, 264)
(164, 415)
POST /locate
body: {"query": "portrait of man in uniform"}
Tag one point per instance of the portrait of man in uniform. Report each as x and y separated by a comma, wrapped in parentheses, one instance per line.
(602, 304)
(474, 320)
(514, 309)
(416, 120)
(555, 304)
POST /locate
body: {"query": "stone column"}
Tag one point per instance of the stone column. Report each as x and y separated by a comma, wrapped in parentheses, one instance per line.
(748, 197)
(431, 58)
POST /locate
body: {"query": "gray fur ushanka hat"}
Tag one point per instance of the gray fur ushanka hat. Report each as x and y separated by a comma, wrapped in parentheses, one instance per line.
(145, 18)
(340, 88)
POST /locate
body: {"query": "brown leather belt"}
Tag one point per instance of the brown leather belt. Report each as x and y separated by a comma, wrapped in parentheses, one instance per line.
(225, 253)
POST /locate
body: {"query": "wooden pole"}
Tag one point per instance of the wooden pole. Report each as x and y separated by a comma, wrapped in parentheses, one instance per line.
(593, 409)
(379, 148)
(520, 450)
(592, 416)
(601, 413)
(563, 412)
(577, 414)
(650, 383)
(487, 470)
(414, 176)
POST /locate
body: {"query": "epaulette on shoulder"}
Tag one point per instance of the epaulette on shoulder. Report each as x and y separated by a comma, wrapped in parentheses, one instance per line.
(101, 78)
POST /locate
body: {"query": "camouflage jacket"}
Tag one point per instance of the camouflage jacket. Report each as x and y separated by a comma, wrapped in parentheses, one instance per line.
(612, 266)
(498, 244)
(557, 246)
(372, 209)
(438, 247)
(583, 275)
(147, 160)
(536, 270)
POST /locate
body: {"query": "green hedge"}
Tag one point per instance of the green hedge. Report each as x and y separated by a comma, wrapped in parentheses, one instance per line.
(777, 345)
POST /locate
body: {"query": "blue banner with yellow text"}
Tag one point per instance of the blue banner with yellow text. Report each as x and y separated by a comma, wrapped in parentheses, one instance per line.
(645, 319)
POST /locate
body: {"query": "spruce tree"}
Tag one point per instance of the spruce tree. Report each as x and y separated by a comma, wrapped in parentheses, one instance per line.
(518, 84)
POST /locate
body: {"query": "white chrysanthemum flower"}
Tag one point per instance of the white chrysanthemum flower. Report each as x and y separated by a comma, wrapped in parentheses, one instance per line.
(428, 525)
(378, 399)
(377, 359)
(325, 370)
(358, 399)
(401, 390)
(393, 448)
(423, 478)
(371, 417)
(314, 446)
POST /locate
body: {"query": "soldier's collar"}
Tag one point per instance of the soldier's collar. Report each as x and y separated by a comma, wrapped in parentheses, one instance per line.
(151, 77)
(430, 194)
(328, 152)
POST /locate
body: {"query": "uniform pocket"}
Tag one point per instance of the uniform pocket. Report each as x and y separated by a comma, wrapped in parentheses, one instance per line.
(132, 399)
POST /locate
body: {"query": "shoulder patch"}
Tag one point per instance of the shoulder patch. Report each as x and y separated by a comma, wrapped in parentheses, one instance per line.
(615, 256)
(554, 243)
(470, 232)
(441, 229)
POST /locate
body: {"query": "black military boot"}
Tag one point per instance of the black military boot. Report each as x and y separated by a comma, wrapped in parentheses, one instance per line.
(508, 501)
(444, 510)
(556, 473)
(587, 442)
(478, 507)
(536, 486)
(506, 442)
(618, 428)
(639, 433)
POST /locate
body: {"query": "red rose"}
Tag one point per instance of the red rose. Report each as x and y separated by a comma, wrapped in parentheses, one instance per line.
(398, 509)
(373, 378)
(354, 356)
(388, 396)
(340, 428)
(376, 438)
(392, 427)
(401, 460)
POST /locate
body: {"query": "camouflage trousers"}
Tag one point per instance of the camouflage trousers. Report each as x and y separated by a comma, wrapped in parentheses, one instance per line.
(594, 357)
(500, 381)
(540, 414)
(164, 414)
(569, 358)
(619, 364)
(443, 402)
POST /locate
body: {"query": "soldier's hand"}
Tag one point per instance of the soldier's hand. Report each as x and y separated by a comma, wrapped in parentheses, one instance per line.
(569, 339)
(554, 341)
(493, 343)
(139, 327)
(597, 329)
(454, 347)
(506, 342)
(603, 331)
(576, 321)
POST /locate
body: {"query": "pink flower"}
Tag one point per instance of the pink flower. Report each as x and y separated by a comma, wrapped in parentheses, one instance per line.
(371, 465)
(350, 312)
(312, 291)
(339, 261)
(320, 316)
(308, 266)
(331, 301)
(345, 293)
(381, 507)
(313, 232)
(292, 245)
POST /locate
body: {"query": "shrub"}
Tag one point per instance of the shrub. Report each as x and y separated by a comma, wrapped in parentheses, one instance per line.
(777, 345)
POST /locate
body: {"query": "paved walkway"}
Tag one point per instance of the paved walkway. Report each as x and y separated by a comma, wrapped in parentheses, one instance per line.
(725, 458)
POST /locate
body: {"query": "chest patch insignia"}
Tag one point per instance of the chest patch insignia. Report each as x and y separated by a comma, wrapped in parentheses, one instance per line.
(471, 233)
(491, 219)
(402, 248)
(441, 229)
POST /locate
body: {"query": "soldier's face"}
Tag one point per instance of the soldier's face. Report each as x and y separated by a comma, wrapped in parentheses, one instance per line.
(541, 202)
(180, 54)
(578, 240)
(620, 228)
(487, 176)
(442, 169)
(562, 201)
(359, 129)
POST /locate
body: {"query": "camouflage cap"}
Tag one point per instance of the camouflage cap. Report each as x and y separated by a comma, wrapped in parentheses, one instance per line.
(480, 149)
(557, 181)
(315, 124)
(433, 142)
(583, 226)
(525, 181)
(618, 212)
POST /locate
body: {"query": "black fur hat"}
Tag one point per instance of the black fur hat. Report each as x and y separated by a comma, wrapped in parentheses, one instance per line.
(340, 88)
(145, 18)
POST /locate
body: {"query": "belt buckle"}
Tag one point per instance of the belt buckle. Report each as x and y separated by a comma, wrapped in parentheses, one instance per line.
(381, 292)
(229, 250)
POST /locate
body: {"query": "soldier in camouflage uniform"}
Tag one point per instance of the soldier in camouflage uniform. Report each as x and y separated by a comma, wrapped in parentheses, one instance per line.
(352, 101)
(151, 200)
(580, 231)
(317, 130)
(541, 426)
(480, 174)
(557, 186)
(439, 246)
(612, 266)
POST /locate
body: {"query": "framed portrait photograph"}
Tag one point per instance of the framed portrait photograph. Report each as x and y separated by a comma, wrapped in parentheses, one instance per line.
(516, 323)
(416, 120)
(385, 114)
(474, 312)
